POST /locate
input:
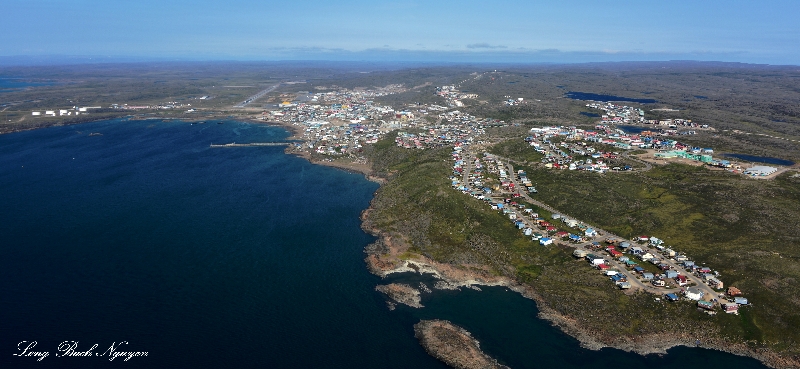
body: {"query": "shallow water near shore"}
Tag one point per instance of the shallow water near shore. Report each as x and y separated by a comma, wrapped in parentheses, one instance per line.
(218, 257)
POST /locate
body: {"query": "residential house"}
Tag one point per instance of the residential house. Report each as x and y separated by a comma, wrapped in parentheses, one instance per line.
(705, 305)
(694, 293)
(731, 308)
(671, 274)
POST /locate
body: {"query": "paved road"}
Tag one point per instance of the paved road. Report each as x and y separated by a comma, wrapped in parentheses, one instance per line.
(647, 166)
(635, 282)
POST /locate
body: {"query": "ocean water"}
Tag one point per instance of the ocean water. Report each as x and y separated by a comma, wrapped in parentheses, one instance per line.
(224, 257)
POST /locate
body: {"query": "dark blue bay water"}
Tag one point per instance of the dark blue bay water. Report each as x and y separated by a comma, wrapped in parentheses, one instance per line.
(225, 257)
(605, 98)
(760, 159)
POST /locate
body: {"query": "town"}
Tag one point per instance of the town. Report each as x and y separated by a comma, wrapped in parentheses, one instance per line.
(341, 122)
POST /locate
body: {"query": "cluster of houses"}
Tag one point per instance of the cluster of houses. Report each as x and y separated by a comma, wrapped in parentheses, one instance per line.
(602, 134)
(438, 136)
(163, 106)
(454, 127)
(509, 101)
(677, 123)
(341, 122)
(621, 114)
(576, 155)
(672, 274)
(673, 269)
(75, 110)
(453, 96)
(618, 113)
(524, 218)
(574, 152)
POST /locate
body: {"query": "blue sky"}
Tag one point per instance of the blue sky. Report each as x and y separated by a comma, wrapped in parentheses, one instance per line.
(765, 31)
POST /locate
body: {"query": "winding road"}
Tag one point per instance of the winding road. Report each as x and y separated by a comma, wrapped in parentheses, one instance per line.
(636, 283)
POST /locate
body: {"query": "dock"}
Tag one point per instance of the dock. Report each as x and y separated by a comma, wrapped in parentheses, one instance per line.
(234, 144)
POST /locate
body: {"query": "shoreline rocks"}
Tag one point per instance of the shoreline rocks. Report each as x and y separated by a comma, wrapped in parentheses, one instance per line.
(402, 294)
(453, 345)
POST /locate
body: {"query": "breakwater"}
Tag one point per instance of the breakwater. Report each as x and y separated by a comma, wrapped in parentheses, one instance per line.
(253, 144)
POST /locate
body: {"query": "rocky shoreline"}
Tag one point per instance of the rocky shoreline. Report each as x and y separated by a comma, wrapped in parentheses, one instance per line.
(453, 345)
(402, 294)
(383, 258)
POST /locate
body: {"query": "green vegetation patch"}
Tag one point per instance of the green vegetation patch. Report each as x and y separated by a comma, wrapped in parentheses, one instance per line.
(741, 227)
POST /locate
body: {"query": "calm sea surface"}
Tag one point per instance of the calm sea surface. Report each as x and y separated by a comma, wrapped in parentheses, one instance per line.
(225, 257)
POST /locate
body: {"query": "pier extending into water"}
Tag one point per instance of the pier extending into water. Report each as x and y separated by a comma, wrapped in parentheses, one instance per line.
(234, 144)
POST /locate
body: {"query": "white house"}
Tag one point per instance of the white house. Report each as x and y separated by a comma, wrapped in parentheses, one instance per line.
(694, 293)
(597, 261)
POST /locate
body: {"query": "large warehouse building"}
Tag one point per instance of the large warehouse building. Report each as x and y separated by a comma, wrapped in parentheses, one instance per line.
(760, 170)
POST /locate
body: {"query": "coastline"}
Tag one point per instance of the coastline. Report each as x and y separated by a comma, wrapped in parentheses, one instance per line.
(387, 256)
(294, 130)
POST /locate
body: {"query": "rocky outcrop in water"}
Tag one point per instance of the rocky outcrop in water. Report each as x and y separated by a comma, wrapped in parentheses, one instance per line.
(453, 345)
(402, 293)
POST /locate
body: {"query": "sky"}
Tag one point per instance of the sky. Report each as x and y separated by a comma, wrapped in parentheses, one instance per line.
(763, 31)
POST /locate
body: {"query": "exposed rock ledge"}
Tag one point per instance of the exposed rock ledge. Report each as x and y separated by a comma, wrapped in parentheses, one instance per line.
(453, 345)
(402, 293)
(383, 258)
